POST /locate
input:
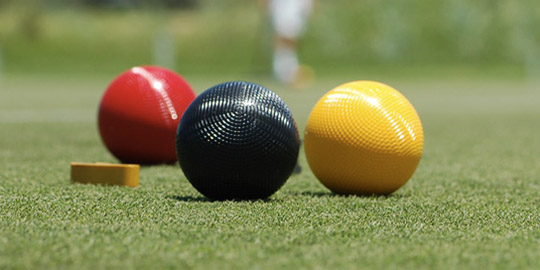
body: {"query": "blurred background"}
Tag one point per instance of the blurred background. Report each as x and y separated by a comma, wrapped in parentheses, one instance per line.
(416, 38)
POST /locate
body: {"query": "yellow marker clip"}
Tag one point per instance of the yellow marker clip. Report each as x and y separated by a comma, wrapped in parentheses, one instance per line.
(105, 174)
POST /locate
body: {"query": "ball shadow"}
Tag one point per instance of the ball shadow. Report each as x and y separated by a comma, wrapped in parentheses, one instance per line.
(330, 194)
(150, 165)
(189, 198)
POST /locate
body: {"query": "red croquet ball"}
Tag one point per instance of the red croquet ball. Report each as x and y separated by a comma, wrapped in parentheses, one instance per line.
(139, 114)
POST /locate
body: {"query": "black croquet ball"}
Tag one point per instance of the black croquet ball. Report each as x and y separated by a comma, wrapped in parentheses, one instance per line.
(237, 140)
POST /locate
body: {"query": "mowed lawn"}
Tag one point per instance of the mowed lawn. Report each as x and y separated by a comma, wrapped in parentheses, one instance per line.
(472, 203)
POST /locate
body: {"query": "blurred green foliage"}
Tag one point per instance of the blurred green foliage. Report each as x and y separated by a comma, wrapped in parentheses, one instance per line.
(119, 4)
(235, 36)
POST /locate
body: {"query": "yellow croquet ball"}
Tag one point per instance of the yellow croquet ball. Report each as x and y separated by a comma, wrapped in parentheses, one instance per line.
(363, 137)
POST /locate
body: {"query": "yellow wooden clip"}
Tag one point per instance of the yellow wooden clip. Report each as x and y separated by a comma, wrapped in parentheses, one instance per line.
(105, 174)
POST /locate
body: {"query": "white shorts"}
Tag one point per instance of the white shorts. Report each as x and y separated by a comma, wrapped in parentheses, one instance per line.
(289, 17)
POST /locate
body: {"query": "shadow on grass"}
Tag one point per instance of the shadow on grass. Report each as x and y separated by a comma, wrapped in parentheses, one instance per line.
(314, 194)
(151, 165)
(329, 194)
(189, 198)
(205, 199)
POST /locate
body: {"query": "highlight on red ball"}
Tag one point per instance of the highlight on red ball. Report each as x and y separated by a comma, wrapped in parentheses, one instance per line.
(139, 114)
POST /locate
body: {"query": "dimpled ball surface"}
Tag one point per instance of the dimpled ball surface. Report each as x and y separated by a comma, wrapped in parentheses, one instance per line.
(362, 138)
(139, 113)
(237, 140)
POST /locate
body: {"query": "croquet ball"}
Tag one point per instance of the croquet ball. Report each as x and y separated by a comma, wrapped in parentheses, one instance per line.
(363, 138)
(237, 140)
(139, 113)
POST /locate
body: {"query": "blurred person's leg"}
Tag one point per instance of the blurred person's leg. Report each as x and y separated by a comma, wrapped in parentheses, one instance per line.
(285, 60)
(289, 18)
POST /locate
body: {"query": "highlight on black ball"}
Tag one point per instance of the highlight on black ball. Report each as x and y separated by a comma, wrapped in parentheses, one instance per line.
(237, 141)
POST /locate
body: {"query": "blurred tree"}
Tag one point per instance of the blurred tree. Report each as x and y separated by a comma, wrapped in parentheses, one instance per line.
(30, 23)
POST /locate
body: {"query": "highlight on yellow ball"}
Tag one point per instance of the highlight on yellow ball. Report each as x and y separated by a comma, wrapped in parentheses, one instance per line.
(362, 138)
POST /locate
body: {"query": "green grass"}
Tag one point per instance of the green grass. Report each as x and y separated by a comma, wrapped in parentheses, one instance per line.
(473, 202)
